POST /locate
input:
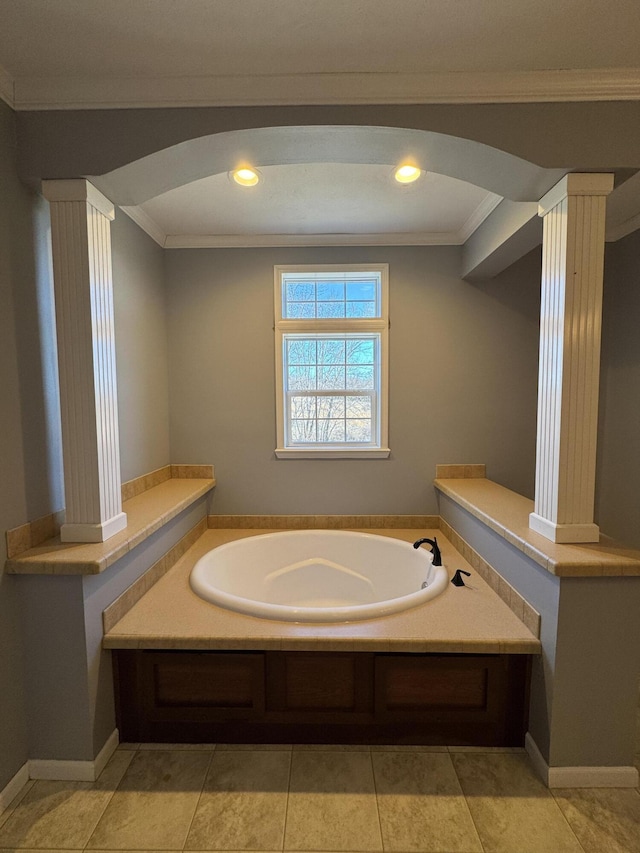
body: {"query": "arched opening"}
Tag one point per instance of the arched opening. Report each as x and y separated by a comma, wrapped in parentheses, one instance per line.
(322, 185)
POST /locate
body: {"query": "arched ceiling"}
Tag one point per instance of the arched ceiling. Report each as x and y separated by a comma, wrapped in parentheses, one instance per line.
(321, 185)
(464, 159)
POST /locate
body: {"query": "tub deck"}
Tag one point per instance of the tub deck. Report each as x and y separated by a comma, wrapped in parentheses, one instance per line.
(454, 670)
(471, 619)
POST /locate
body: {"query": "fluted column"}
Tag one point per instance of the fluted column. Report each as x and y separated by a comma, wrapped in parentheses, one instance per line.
(569, 368)
(81, 238)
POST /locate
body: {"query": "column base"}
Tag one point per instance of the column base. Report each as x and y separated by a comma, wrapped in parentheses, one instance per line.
(566, 534)
(93, 532)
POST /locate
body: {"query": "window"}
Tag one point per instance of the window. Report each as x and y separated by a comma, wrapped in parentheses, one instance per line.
(331, 330)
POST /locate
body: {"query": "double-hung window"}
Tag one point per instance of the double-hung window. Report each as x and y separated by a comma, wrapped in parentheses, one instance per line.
(331, 329)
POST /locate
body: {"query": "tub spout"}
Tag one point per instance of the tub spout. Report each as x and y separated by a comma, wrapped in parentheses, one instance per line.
(435, 550)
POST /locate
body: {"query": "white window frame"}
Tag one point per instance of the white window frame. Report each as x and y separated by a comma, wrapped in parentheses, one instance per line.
(374, 325)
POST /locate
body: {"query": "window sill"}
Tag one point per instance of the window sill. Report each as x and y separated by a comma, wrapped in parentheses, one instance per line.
(351, 453)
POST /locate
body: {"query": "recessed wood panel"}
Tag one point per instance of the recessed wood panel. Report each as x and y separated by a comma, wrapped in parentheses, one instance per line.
(410, 686)
(324, 683)
(201, 685)
(322, 686)
(322, 697)
(228, 684)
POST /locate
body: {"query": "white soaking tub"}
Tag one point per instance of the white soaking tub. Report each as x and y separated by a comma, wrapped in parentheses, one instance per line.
(318, 576)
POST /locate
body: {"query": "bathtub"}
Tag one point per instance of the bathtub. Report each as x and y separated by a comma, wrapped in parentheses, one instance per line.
(318, 576)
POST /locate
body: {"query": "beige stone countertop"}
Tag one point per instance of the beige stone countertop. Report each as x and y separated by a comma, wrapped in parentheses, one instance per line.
(464, 619)
(146, 513)
(507, 514)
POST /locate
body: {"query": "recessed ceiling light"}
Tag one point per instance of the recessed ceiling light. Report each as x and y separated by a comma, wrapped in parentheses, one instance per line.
(407, 173)
(246, 177)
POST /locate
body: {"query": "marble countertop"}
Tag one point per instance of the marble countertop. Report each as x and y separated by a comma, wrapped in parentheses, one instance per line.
(507, 514)
(146, 513)
(466, 619)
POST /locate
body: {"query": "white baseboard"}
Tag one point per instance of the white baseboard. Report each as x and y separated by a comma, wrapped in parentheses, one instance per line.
(14, 786)
(74, 771)
(580, 777)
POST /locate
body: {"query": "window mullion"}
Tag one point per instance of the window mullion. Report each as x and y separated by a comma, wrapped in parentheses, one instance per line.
(313, 327)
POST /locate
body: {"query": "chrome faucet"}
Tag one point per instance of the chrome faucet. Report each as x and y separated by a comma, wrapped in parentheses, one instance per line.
(435, 550)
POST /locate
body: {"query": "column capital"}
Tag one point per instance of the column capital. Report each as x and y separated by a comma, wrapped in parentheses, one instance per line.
(576, 183)
(78, 190)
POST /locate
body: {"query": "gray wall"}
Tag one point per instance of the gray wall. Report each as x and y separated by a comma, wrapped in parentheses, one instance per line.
(29, 454)
(31, 480)
(463, 375)
(580, 136)
(587, 674)
(70, 707)
(141, 349)
(618, 482)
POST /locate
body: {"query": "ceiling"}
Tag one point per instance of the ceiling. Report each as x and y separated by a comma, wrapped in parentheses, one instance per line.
(194, 37)
(88, 54)
(326, 203)
(173, 52)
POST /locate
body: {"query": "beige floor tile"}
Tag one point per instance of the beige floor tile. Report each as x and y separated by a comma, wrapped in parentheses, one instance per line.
(332, 803)
(6, 814)
(184, 747)
(330, 747)
(244, 802)
(511, 808)
(603, 818)
(155, 802)
(254, 747)
(412, 748)
(63, 814)
(421, 804)
(490, 750)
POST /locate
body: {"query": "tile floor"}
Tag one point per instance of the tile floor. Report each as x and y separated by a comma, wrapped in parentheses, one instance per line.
(205, 798)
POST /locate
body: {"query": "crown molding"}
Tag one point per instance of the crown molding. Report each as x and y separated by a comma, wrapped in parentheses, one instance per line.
(7, 88)
(618, 230)
(623, 209)
(255, 241)
(482, 211)
(45, 93)
(251, 241)
(148, 225)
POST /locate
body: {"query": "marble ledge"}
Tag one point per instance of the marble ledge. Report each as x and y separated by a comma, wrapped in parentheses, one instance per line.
(361, 644)
(507, 514)
(146, 513)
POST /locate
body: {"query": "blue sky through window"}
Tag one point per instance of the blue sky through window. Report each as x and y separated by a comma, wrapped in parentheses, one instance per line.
(329, 299)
